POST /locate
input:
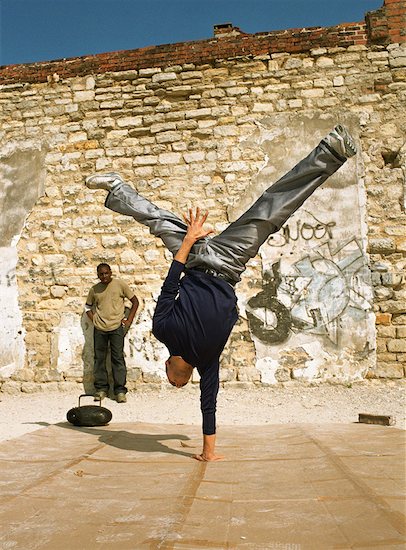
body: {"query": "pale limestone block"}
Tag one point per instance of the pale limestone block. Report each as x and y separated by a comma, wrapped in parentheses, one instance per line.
(52, 192)
(55, 259)
(263, 108)
(338, 81)
(130, 257)
(58, 291)
(107, 122)
(11, 387)
(378, 55)
(86, 95)
(86, 243)
(152, 255)
(216, 93)
(84, 221)
(102, 164)
(52, 212)
(105, 220)
(162, 127)
(226, 130)
(393, 306)
(388, 370)
(195, 156)
(179, 146)
(315, 92)
(33, 114)
(115, 152)
(198, 113)
(115, 137)
(67, 245)
(308, 63)
(144, 171)
(328, 102)
(191, 74)
(94, 153)
(295, 103)
(30, 387)
(324, 62)
(55, 110)
(168, 137)
(113, 241)
(397, 62)
(369, 98)
(113, 104)
(163, 77)
(318, 51)
(239, 166)
(169, 158)
(31, 246)
(322, 82)
(90, 83)
(347, 57)
(293, 63)
(237, 90)
(77, 136)
(145, 160)
(129, 121)
(397, 345)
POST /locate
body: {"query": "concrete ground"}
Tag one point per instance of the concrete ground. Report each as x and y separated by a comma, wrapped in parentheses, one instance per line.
(134, 485)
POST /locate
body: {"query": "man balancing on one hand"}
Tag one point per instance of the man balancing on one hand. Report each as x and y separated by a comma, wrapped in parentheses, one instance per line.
(196, 313)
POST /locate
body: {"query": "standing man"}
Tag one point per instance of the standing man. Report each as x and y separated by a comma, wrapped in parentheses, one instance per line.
(105, 307)
(196, 313)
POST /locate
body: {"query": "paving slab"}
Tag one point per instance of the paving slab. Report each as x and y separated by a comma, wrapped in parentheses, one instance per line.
(133, 485)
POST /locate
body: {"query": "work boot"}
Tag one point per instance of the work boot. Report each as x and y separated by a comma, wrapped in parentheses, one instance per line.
(99, 395)
(103, 181)
(340, 140)
(121, 398)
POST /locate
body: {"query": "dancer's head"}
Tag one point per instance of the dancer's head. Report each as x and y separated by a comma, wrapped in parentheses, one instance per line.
(178, 371)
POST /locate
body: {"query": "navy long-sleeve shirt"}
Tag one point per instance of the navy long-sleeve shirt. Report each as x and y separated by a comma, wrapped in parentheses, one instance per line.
(193, 318)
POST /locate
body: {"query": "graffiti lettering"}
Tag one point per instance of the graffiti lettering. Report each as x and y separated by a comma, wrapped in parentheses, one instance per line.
(326, 286)
(303, 230)
(8, 279)
(278, 330)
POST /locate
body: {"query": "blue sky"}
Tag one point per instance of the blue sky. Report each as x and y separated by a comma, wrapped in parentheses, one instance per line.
(42, 30)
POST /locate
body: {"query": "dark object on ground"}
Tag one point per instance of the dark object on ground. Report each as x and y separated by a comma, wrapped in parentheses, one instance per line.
(89, 415)
(383, 420)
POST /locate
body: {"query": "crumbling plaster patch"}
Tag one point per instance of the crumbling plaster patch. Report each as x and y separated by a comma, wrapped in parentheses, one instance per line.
(317, 292)
(22, 176)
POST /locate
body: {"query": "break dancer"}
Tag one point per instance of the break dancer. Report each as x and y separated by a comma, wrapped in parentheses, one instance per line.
(195, 313)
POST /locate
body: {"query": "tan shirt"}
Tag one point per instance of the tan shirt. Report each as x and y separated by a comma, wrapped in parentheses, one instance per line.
(107, 302)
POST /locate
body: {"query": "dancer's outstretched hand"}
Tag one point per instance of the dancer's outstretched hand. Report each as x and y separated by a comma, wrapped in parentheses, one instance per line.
(195, 222)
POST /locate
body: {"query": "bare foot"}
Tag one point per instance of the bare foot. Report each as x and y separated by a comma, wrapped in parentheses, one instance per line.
(208, 458)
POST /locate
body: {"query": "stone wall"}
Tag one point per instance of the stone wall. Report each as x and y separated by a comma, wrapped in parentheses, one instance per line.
(210, 123)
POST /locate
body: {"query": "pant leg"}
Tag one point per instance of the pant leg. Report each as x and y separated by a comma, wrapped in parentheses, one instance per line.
(123, 199)
(100, 339)
(162, 223)
(241, 240)
(118, 365)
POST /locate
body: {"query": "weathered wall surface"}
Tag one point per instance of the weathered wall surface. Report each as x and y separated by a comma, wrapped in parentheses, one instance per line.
(210, 123)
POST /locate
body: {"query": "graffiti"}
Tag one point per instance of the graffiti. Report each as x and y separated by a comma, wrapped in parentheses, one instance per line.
(274, 325)
(306, 231)
(8, 279)
(325, 285)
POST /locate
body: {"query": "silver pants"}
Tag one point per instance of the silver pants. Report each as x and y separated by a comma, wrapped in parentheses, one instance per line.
(228, 252)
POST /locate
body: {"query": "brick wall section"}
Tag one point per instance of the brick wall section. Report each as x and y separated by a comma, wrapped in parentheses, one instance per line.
(388, 24)
(199, 52)
(384, 26)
